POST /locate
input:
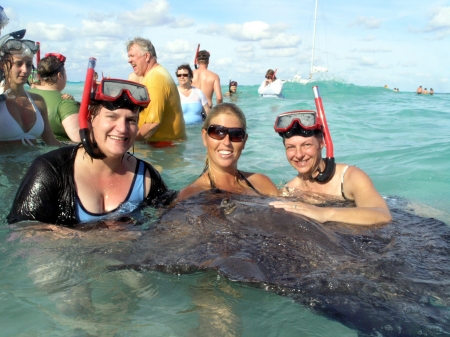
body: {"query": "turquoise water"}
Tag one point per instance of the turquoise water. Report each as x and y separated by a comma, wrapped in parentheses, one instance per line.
(400, 139)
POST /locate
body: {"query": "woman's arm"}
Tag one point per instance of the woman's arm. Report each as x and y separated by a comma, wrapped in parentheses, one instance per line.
(370, 207)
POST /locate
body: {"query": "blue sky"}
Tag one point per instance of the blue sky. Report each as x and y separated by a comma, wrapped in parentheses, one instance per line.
(402, 44)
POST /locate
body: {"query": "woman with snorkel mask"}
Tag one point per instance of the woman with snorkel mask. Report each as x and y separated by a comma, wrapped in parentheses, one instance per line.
(96, 179)
(23, 115)
(304, 134)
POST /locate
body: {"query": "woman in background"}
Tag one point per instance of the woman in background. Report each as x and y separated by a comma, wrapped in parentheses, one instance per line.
(23, 115)
(193, 101)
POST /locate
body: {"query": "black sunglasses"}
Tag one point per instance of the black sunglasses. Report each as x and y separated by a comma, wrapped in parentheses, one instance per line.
(219, 132)
(182, 75)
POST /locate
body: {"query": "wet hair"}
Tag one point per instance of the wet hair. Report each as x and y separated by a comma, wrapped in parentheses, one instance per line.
(203, 56)
(48, 69)
(187, 67)
(144, 44)
(271, 74)
(225, 109)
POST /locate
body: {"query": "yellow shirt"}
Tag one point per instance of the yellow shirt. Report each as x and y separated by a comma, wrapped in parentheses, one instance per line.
(164, 107)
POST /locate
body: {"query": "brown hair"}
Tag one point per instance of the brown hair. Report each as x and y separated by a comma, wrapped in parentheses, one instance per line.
(187, 67)
(48, 69)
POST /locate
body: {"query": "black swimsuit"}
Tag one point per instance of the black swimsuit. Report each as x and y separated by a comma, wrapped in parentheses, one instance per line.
(249, 184)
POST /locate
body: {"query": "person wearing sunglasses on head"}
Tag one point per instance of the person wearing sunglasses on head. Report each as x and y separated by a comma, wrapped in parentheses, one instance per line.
(193, 101)
(303, 138)
(23, 115)
(232, 88)
(97, 179)
(62, 109)
(162, 121)
(271, 86)
(224, 136)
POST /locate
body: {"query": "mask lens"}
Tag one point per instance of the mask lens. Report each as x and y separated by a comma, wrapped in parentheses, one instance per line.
(219, 132)
(115, 89)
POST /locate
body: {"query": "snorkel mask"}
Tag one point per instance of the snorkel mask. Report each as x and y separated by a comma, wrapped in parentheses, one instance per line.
(306, 123)
(112, 94)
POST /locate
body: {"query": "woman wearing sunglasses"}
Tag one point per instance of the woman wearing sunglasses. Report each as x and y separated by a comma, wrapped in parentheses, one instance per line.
(303, 134)
(193, 101)
(23, 115)
(62, 108)
(97, 179)
(224, 136)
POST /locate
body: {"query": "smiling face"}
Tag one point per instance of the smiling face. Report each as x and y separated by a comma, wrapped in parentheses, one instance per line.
(138, 59)
(223, 154)
(115, 131)
(183, 76)
(20, 70)
(304, 153)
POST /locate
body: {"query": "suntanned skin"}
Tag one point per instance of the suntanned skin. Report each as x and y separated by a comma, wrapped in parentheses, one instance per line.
(208, 82)
(20, 107)
(303, 153)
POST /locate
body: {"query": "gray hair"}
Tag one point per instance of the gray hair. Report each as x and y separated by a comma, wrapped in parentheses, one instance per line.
(144, 44)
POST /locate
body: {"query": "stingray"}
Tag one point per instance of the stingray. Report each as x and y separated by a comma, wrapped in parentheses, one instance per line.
(391, 280)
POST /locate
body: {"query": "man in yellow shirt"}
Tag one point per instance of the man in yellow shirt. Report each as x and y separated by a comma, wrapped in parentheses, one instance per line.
(163, 119)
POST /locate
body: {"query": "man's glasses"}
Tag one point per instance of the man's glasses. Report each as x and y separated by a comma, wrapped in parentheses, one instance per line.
(219, 132)
(182, 75)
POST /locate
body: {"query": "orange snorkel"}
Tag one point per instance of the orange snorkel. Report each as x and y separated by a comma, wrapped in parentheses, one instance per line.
(330, 165)
(195, 59)
(83, 115)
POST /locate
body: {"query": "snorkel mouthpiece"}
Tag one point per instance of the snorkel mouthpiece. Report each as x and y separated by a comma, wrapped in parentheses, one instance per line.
(85, 132)
(330, 165)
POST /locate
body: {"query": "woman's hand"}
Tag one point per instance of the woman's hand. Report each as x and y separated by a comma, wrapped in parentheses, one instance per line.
(311, 211)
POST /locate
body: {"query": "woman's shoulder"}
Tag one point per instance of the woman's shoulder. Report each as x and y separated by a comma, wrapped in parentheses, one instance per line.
(261, 182)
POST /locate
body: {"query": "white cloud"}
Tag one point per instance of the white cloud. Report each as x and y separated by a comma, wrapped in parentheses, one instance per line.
(224, 62)
(103, 29)
(178, 46)
(211, 29)
(368, 38)
(254, 30)
(245, 48)
(281, 41)
(284, 52)
(368, 23)
(151, 14)
(375, 50)
(56, 32)
(182, 22)
(440, 22)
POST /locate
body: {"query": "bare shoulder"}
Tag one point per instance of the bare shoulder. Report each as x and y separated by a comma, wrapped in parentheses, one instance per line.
(196, 187)
(261, 182)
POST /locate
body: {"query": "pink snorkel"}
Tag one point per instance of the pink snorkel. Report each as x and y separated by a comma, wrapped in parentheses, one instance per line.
(83, 115)
(329, 161)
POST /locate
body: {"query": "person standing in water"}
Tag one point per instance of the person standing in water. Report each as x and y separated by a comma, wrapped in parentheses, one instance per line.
(62, 111)
(163, 119)
(232, 89)
(419, 90)
(271, 86)
(193, 101)
(206, 80)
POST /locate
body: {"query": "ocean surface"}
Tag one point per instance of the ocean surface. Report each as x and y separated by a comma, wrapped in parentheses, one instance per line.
(400, 139)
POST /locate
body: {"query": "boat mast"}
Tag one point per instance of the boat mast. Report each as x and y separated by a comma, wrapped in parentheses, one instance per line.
(314, 42)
